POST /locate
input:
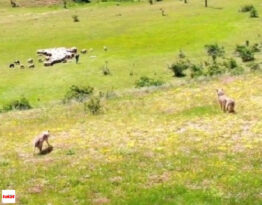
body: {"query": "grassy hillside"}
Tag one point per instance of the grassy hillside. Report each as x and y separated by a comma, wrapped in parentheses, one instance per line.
(172, 146)
(139, 40)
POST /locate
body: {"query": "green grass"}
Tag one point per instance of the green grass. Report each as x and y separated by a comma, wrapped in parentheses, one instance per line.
(171, 146)
(140, 41)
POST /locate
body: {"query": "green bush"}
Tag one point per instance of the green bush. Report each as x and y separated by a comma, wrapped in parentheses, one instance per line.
(147, 82)
(247, 8)
(253, 13)
(237, 71)
(256, 48)
(231, 63)
(232, 67)
(254, 66)
(93, 106)
(245, 53)
(75, 18)
(181, 54)
(215, 51)
(106, 71)
(179, 67)
(215, 69)
(78, 93)
(196, 71)
(21, 104)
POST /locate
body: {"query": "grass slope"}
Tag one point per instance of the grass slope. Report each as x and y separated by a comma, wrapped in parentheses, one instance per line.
(166, 147)
(139, 40)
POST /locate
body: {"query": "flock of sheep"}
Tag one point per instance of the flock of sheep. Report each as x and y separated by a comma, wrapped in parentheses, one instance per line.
(51, 56)
(30, 63)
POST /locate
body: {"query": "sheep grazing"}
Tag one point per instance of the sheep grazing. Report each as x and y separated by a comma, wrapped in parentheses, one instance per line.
(17, 62)
(48, 63)
(72, 50)
(105, 48)
(30, 61)
(83, 51)
(57, 55)
(40, 60)
(22, 66)
(31, 66)
(12, 65)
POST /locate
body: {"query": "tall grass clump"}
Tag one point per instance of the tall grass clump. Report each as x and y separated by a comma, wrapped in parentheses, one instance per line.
(245, 53)
(75, 18)
(196, 70)
(78, 93)
(179, 67)
(93, 106)
(254, 13)
(21, 104)
(214, 51)
(148, 82)
(247, 8)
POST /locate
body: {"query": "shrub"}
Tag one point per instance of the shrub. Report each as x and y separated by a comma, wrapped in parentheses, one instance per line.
(247, 8)
(150, 2)
(65, 4)
(254, 66)
(215, 69)
(93, 106)
(231, 63)
(253, 13)
(237, 71)
(21, 104)
(179, 67)
(214, 51)
(245, 53)
(255, 48)
(196, 71)
(147, 82)
(106, 71)
(13, 4)
(70, 152)
(78, 93)
(181, 54)
(233, 67)
(75, 18)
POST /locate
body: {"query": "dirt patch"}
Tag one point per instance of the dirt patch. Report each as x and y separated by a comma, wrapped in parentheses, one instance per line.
(35, 189)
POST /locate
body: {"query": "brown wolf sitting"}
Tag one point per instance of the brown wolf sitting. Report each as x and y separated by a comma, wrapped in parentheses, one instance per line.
(226, 104)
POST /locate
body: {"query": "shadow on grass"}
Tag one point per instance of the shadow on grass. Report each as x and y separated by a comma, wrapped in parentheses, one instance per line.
(46, 150)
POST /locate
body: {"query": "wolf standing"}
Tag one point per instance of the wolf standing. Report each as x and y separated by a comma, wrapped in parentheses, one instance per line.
(226, 104)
